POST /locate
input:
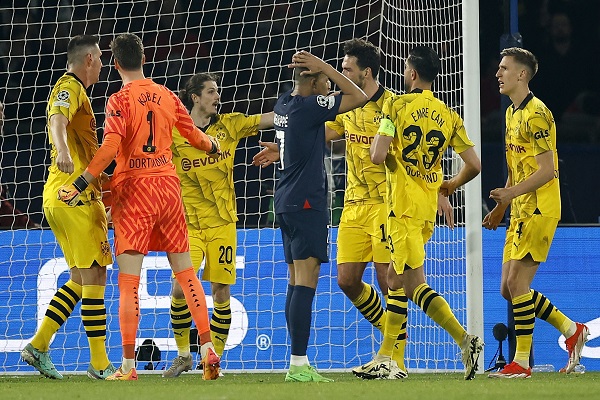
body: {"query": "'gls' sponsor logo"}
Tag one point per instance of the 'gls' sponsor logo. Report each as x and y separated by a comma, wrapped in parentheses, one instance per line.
(113, 113)
(541, 134)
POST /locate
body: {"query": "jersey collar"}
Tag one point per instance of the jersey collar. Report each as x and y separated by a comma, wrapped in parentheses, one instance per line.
(213, 119)
(377, 94)
(526, 100)
(76, 78)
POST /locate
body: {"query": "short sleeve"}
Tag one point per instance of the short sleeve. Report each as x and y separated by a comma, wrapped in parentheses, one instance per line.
(459, 141)
(539, 128)
(322, 108)
(337, 124)
(115, 121)
(244, 125)
(65, 100)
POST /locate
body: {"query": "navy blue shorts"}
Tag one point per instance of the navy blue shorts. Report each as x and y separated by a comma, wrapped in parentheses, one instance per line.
(304, 235)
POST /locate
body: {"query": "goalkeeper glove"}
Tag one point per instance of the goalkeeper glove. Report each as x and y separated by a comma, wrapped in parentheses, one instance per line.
(215, 150)
(69, 194)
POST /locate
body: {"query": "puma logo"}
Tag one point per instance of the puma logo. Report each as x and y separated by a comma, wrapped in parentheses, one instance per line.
(229, 270)
(221, 338)
(178, 333)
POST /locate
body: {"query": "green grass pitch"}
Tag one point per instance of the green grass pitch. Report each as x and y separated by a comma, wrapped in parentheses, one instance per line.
(251, 386)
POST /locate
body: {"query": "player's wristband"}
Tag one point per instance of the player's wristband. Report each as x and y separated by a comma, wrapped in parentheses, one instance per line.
(213, 148)
(81, 183)
(387, 128)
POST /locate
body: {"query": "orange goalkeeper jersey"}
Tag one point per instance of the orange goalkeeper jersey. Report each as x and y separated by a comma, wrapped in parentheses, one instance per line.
(144, 113)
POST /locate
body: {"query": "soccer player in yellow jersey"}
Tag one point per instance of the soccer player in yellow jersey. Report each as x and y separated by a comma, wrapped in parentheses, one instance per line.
(362, 235)
(80, 231)
(415, 132)
(210, 207)
(532, 190)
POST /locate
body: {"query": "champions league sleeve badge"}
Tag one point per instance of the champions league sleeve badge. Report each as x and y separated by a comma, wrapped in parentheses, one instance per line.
(326, 101)
(61, 99)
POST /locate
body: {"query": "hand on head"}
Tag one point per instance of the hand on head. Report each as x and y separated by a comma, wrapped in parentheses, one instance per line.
(307, 60)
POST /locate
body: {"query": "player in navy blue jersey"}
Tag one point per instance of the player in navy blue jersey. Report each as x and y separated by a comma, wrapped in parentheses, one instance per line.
(301, 193)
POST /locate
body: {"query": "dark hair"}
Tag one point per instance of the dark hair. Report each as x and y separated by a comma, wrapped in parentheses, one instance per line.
(524, 57)
(195, 85)
(128, 50)
(366, 53)
(425, 61)
(300, 78)
(78, 46)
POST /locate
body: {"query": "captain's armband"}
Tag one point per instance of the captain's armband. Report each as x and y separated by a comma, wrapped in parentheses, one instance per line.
(387, 128)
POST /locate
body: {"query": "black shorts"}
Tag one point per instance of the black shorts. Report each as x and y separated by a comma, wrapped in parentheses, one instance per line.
(304, 235)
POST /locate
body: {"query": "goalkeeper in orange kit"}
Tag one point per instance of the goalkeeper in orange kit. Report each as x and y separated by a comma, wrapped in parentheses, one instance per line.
(147, 209)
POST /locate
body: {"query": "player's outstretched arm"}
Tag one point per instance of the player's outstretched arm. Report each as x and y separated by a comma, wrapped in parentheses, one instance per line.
(266, 120)
(266, 156)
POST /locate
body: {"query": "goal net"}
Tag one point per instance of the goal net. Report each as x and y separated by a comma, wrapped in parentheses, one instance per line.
(250, 43)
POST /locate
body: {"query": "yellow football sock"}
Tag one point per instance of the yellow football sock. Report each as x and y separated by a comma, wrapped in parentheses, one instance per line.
(219, 325)
(59, 309)
(369, 305)
(524, 315)
(181, 321)
(545, 310)
(397, 316)
(93, 315)
(436, 307)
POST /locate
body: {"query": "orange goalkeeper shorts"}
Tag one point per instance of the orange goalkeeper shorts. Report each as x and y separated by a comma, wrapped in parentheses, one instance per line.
(148, 215)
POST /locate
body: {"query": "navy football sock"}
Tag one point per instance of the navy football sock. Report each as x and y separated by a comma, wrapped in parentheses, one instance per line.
(300, 318)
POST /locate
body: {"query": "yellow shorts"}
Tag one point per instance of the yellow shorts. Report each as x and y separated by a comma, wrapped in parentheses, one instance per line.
(531, 235)
(362, 234)
(408, 237)
(81, 233)
(217, 247)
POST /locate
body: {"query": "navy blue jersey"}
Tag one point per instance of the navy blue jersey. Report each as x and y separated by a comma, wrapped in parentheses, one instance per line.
(300, 134)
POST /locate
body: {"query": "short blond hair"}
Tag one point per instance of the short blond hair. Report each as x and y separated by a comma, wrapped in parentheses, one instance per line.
(524, 57)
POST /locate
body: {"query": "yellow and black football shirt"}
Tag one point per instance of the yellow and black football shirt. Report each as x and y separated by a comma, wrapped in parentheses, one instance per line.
(69, 98)
(423, 127)
(530, 131)
(207, 184)
(365, 181)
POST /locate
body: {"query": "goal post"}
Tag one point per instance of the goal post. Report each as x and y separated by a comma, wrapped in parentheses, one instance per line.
(250, 43)
(473, 196)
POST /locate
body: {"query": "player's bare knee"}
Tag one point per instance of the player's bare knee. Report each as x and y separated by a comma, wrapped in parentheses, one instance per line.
(177, 291)
(220, 292)
(505, 292)
(349, 283)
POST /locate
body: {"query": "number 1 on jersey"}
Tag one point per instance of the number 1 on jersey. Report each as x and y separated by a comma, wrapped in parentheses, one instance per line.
(149, 147)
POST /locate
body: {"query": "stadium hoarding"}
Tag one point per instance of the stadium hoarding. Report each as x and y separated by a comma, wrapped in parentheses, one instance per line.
(32, 267)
